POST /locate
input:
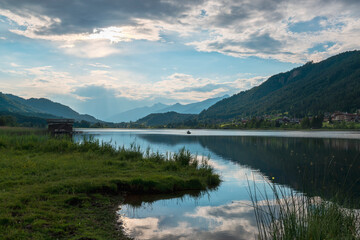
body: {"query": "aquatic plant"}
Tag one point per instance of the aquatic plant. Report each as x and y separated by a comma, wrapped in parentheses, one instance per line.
(283, 214)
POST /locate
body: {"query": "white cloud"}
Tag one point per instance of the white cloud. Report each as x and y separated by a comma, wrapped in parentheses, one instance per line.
(90, 49)
(244, 28)
(98, 44)
(38, 81)
(180, 87)
(14, 65)
(265, 33)
(143, 30)
(28, 20)
(44, 81)
(99, 65)
(242, 84)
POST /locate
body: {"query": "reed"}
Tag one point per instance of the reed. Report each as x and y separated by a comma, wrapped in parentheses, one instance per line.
(283, 214)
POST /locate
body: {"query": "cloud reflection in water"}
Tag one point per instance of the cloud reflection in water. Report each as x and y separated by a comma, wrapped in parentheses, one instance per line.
(235, 220)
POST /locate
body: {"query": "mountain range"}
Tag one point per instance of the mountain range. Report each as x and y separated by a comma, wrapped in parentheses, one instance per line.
(327, 86)
(138, 113)
(40, 107)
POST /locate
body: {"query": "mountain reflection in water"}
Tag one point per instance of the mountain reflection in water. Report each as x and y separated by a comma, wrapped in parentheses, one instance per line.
(313, 166)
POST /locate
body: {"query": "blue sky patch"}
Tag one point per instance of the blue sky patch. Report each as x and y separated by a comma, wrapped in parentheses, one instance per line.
(321, 47)
(308, 26)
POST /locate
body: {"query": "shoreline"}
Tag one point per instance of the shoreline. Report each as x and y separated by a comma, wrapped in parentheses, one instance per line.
(339, 134)
(232, 129)
(55, 188)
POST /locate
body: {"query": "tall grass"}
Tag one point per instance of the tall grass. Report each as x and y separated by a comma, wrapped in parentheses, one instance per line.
(55, 188)
(284, 214)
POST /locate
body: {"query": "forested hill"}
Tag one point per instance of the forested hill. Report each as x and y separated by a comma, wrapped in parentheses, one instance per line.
(328, 86)
(42, 108)
(161, 119)
(8, 104)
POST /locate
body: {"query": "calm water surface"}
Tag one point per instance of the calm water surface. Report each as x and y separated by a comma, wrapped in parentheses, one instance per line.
(315, 163)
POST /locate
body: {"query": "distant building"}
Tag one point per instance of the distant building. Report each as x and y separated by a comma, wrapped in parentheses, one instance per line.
(60, 126)
(295, 120)
(283, 120)
(347, 117)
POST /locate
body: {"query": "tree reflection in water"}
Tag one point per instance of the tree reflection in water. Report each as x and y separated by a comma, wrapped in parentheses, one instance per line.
(315, 166)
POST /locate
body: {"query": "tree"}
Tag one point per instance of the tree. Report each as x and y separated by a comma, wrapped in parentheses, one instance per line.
(7, 121)
(305, 122)
(316, 121)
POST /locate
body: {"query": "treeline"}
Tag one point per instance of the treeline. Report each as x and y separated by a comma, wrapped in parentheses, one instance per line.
(85, 124)
(8, 121)
(314, 122)
(18, 120)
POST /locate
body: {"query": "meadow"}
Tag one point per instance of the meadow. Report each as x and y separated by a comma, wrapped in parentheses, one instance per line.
(54, 188)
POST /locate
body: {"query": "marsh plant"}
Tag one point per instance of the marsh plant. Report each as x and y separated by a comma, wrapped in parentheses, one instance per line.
(284, 214)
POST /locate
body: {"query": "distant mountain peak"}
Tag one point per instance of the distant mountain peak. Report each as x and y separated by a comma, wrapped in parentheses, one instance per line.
(138, 113)
(159, 104)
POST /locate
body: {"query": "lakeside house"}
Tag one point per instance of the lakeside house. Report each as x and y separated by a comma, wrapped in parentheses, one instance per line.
(346, 117)
(60, 126)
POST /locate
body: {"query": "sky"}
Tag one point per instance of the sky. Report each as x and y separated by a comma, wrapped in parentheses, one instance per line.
(109, 56)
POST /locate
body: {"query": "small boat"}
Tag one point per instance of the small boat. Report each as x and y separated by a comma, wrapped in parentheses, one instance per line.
(188, 132)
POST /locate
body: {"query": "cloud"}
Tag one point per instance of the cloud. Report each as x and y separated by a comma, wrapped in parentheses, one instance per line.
(288, 31)
(187, 88)
(266, 29)
(98, 65)
(90, 49)
(46, 79)
(14, 65)
(282, 30)
(102, 101)
(84, 15)
(104, 92)
(179, 87)
(97, 44)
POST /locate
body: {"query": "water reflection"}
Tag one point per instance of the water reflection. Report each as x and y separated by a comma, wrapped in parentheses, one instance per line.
(235, 220)
(315, 166)
(312, 165)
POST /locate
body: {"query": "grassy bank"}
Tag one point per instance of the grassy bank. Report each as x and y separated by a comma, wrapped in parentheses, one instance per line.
(57, 189)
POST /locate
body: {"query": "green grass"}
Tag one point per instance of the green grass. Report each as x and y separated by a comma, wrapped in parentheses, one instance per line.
(288, 215)
(57, 189)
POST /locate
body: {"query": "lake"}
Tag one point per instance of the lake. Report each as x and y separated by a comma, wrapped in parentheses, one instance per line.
(316, 163)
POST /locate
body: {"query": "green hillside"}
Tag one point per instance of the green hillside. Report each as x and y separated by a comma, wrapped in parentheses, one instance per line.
(7, 104)
(39, 108)
(327, 86)
(54, 108)
(161, 119)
